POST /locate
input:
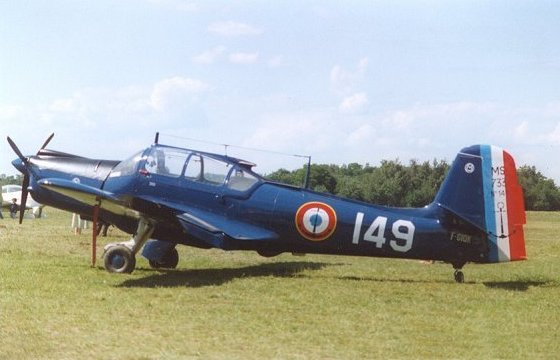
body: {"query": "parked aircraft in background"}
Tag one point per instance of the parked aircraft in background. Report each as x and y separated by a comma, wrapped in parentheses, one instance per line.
(183, 196)
(10, 192)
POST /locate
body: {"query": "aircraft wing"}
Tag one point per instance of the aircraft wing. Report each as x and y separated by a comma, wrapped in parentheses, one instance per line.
(90, 196)
(207, 226)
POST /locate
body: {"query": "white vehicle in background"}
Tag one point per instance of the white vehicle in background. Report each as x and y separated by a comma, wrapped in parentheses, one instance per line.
(10, 192)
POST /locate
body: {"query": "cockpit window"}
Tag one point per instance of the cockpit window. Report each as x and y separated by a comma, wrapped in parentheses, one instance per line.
(214, 171)
(194, 168)
(241, 180)
(166, 161)
(207, 170)
(127, 167)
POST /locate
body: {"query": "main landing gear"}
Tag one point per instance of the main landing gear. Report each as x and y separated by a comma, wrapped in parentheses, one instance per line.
(168, 261)
(121, 257)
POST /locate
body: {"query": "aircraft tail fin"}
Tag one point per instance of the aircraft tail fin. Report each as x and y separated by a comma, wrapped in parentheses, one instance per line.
(481, 188)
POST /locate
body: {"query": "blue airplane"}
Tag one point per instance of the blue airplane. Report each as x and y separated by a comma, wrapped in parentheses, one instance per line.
(165, 195)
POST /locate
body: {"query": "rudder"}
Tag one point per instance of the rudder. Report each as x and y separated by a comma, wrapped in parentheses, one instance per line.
(482, 189)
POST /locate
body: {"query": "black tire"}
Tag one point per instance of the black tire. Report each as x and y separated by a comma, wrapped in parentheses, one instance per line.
(119, 259)
(459, 276)
(169, 260)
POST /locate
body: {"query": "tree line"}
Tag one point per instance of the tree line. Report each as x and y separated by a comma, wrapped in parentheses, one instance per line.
(414, 185)
(395, 184)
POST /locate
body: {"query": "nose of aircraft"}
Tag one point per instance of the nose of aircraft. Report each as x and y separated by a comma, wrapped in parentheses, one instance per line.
(18, 164)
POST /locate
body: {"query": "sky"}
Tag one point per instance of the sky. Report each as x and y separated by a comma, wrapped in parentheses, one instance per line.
(340, 81)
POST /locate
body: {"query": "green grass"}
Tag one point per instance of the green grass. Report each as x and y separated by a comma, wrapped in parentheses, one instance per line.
(217, 304)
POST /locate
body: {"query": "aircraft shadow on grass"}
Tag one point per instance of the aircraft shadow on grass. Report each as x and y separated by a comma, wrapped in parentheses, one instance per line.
(500, 285)
(212, 277)
(514, 285)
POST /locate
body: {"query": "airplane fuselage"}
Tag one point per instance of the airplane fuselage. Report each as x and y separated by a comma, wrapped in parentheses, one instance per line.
(304, 221)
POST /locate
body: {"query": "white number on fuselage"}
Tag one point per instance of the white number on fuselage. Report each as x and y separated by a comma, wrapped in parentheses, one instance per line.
(402, 230)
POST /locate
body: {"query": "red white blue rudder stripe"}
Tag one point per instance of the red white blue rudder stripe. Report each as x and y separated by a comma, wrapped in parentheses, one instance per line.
(503, 205)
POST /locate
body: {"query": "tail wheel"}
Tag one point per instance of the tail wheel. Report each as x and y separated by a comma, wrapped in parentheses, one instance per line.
(459, 276)
(168, 261)
(119, 259)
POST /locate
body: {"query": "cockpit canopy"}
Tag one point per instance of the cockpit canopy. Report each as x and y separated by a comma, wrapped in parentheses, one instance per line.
(190, 165)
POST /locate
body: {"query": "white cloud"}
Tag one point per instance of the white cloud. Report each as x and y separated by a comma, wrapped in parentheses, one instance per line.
(344, 81)
(293, 131)
(172, 89)
(244, 58)
(353, 103)
(363, 132)
(330, 135)
(233, 29)
(210, 56)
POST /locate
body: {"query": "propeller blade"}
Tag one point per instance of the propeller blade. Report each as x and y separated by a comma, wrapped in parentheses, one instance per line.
(24, 193)
(16, 150)
(46, 143)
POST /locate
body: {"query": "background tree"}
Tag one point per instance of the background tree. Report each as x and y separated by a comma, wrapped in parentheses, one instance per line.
(413, 185)
(540, 193)
(11, 179)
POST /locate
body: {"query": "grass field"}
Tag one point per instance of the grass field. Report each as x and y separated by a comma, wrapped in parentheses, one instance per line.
(237, 305)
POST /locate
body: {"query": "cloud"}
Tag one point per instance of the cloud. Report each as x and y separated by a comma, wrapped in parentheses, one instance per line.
(335, 134)
(244, 58)
(171, 90)
(233, 29)
(282, 130)
(210, 56)
(354, 103)
(344, 81)
(363, 132)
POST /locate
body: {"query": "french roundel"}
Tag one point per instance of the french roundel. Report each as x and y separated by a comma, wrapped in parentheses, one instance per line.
(315, 221)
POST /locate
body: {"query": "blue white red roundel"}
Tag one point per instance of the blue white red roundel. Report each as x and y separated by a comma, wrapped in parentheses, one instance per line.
(315, 221)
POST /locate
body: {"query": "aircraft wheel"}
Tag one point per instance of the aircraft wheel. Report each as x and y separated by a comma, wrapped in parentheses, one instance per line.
(119, 259)
(169, 260)
(459, 276)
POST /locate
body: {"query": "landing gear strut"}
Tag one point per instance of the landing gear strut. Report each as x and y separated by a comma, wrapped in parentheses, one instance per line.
(121, 257)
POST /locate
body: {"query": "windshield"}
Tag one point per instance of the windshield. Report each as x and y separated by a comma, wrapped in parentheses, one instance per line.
(166, 161)
(127, 167)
